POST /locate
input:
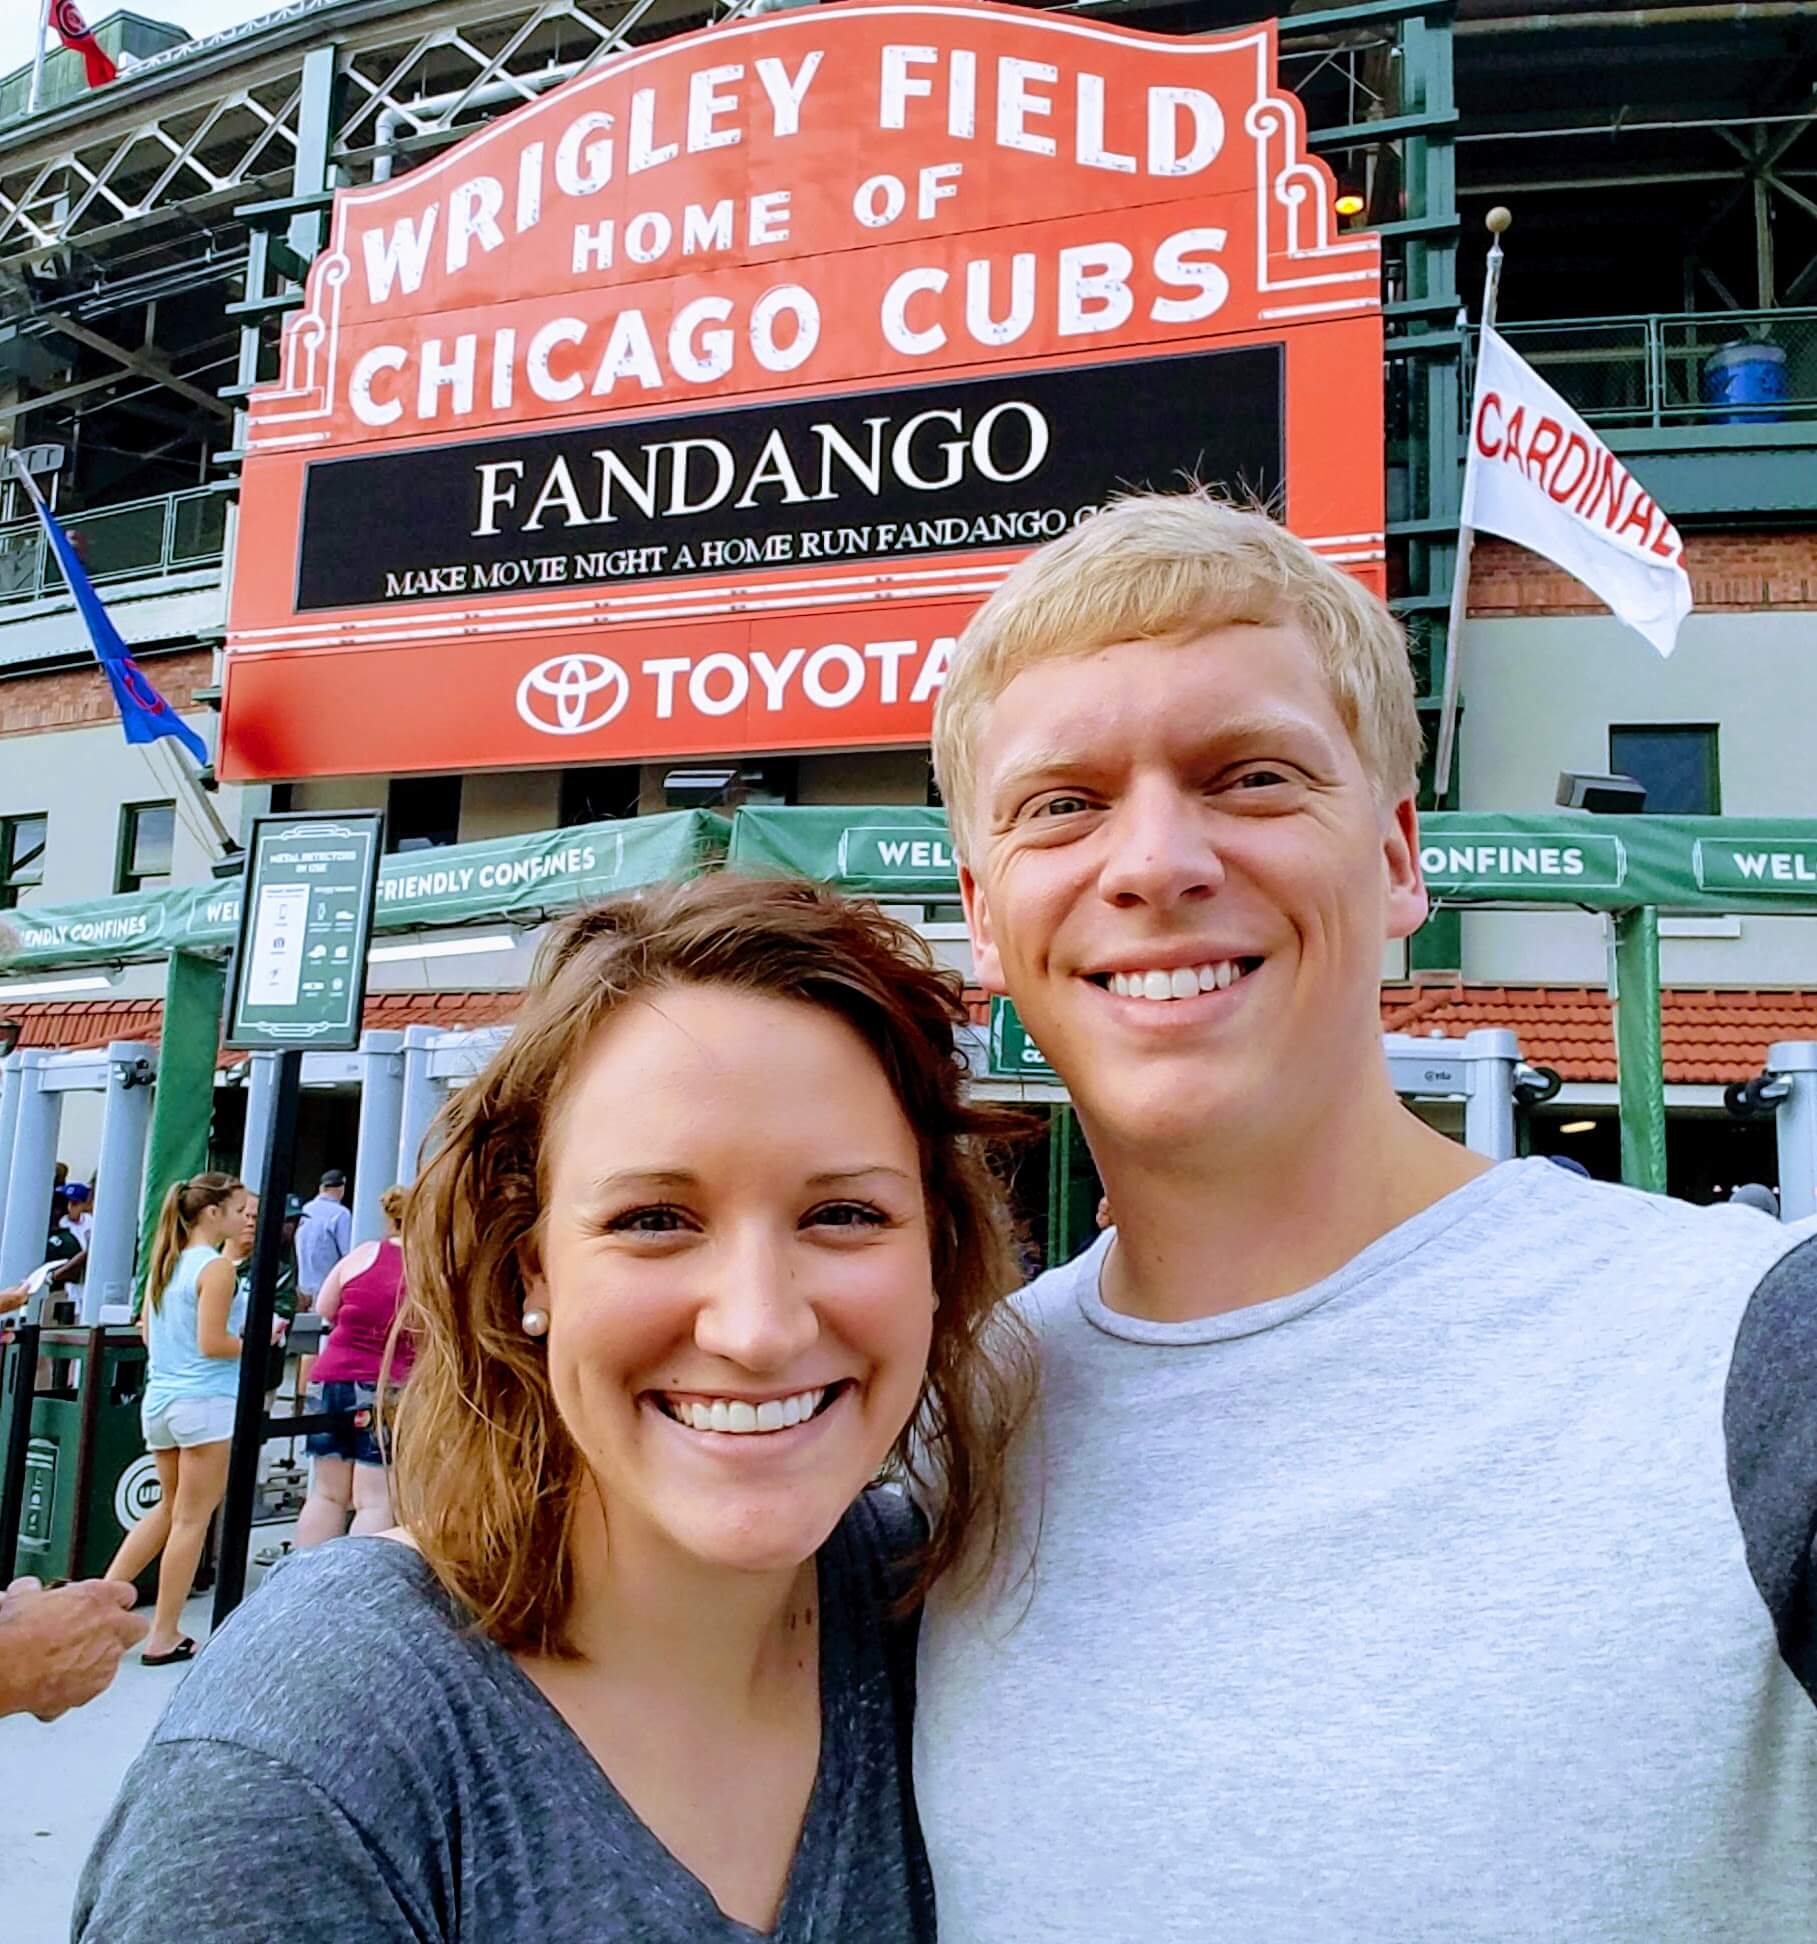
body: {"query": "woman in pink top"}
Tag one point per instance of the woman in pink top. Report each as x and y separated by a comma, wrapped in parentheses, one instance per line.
(360, 1302)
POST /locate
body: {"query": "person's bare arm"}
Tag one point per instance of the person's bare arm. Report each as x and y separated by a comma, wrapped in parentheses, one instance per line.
(214, 1298)
(60, 1649)
(328, 1298)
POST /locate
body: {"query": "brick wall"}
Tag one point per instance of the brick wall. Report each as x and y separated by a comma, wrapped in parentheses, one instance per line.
(77, 698)
(1746, 571)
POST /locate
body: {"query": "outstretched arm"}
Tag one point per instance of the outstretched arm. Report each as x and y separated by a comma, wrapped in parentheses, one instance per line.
(60, 1649)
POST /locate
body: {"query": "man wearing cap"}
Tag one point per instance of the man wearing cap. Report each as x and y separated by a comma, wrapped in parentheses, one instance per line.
(80, 1220)
(324, 1235)
(64, 1246)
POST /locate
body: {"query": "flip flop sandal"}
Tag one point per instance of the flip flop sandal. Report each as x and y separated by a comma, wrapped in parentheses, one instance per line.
(184, 1650)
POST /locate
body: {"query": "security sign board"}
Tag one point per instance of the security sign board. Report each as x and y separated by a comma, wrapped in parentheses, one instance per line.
(299, 974)
(694, 406)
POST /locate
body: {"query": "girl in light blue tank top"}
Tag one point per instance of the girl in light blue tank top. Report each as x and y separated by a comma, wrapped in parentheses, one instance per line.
(192, 1380)
(178, 1366)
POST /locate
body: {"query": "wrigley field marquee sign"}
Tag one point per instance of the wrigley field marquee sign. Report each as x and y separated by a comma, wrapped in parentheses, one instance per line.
(694, 406)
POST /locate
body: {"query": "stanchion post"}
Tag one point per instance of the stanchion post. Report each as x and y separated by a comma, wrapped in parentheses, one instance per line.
(249, 1413)
(311, 886)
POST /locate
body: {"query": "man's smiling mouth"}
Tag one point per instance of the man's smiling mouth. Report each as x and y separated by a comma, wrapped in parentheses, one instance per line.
(1182, 982)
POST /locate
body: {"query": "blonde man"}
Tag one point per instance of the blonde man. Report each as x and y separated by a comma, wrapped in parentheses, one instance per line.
(1420, 1549)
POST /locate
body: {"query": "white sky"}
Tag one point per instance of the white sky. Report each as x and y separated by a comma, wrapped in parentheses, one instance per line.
(19, 20)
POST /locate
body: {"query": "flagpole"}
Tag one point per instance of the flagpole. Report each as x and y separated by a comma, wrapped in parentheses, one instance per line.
(37, 88)
(204, 821)
(1496, 222)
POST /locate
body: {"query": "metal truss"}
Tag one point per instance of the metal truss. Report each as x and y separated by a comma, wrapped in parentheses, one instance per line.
(221, 121)
(468, 64)
(186, 139)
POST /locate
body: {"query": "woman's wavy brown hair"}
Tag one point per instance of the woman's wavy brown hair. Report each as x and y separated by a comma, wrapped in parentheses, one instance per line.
(487, 1479)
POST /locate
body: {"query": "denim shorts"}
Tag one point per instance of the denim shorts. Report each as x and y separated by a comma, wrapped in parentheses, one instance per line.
(187, 1421)
(361, 1443)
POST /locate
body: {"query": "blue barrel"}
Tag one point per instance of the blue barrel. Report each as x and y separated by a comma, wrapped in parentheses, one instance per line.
(1748, 379)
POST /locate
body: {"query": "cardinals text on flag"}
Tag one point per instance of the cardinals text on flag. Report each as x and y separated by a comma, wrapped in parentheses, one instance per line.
(1538, 475)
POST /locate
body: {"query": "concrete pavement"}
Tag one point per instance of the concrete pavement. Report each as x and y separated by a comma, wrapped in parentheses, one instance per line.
(58, 1780)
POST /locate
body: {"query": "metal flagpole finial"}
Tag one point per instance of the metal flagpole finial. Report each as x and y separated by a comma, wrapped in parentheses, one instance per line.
(1498, 222)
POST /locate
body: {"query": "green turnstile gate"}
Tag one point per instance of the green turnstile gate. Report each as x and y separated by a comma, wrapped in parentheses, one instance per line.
(88, 1477)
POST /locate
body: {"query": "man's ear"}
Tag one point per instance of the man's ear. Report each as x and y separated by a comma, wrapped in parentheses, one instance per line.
(1407, 905)
(987, 963)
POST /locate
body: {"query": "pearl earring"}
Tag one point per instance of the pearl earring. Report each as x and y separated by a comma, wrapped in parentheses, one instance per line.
(536, 1322)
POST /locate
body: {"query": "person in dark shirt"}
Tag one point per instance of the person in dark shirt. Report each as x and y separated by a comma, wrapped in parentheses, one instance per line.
(64, 1247)
(638, 1662)
(284, 1297)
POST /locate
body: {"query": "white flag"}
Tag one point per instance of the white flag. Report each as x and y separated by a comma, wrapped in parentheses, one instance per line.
(1536, 473)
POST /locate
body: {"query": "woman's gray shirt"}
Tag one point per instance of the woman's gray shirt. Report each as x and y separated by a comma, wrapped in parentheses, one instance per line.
(347, 1760)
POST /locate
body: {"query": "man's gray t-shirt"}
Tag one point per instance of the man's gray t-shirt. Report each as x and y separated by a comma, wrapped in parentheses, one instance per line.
(1466, 1595)
(348, 1762)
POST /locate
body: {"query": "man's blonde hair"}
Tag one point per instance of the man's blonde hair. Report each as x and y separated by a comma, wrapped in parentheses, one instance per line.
(1168, 566)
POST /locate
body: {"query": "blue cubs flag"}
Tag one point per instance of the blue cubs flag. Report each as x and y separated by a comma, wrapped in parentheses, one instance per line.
(144, 713)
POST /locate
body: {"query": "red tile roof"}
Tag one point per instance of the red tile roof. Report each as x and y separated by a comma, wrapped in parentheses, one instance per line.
(73, 1024)
(394, 1010)
(1711, 1037)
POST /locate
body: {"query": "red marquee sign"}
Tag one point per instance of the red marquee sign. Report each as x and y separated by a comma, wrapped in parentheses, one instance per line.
(691, 408)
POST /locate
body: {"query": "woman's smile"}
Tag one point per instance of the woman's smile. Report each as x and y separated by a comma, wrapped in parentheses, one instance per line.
(745, 1416)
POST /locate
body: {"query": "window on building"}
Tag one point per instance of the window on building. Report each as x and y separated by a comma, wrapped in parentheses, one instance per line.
(21, 857)
(1676, 763)
(422, 812)
(147, 832)
(599, 794)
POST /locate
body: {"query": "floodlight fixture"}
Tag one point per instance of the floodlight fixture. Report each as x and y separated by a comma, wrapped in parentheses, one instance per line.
(1604, 796)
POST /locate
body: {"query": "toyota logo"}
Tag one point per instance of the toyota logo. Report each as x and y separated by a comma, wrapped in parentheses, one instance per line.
(570, 694)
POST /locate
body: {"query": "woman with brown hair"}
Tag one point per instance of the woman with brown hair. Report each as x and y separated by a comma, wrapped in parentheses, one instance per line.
(192, 1380)
(707, 1246)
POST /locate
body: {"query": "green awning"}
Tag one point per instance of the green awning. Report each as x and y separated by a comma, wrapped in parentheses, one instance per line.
(1559, 858)
(905, 853)
(517, 880)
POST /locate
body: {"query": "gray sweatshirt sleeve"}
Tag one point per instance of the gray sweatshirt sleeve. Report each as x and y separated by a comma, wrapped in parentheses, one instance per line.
(1770, 1425)
(204, 1842)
